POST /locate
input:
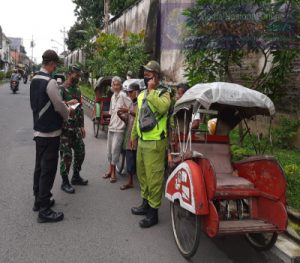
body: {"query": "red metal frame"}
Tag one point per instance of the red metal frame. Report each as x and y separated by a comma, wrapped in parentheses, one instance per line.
(104, 115)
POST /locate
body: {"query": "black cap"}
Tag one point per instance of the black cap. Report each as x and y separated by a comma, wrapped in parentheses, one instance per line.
(133, 87)
(50, 56)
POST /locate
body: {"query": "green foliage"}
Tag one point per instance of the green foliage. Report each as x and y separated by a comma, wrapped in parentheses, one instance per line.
(292, 172)
(117, 6)
(115, 56)
(239, 153)
(91, 11)
(284, 133)
(61, 69)
(288, 158)
(2, 75)
(75, 37)
(8, 74)
(87, 91)
(218, 38)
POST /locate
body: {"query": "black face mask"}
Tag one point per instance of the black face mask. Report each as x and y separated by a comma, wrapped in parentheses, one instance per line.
(146, 80)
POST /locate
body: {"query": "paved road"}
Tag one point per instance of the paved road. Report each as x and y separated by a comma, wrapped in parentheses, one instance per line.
(98, 226)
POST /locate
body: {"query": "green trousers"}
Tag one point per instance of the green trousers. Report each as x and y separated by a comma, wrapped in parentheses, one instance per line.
(71, 139)
(151, 156)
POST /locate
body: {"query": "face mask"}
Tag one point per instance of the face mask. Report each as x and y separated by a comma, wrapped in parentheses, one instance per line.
(146, 80)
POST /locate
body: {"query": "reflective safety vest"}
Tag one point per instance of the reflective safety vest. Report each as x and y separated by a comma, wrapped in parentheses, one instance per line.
(159, 132)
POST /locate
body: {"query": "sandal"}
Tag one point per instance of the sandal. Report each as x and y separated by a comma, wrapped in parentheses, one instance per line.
(106, 176)
(126, 186)
(112, 180)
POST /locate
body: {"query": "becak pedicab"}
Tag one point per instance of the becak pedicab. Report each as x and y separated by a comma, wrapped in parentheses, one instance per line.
(208, 191)
(103, 95)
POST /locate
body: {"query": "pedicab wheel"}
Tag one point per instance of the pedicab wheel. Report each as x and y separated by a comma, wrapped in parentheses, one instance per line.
(96, 127)
(186, 229)
(262, 241)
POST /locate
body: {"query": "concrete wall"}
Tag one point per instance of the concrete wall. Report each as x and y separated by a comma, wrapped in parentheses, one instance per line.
(172, 36)
(162, 22)
(134, 19)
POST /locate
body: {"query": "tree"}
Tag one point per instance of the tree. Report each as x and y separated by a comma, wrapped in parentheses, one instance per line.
(222, 34)
(112, 55)
(89, 11)
(76, 35)
(117, 6)
(93, 11)
(22, 49)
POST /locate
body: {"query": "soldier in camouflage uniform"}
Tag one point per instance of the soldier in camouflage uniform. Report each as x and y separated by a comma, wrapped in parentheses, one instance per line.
(72, 134)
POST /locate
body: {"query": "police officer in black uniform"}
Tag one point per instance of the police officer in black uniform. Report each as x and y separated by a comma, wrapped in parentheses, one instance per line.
(49, 111)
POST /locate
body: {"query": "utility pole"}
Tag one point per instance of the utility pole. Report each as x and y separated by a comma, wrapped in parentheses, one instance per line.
(32, 44)
(106, 15)
(64, 31)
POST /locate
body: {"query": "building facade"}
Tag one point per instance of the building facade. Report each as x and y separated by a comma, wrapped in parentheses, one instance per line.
(5, 58)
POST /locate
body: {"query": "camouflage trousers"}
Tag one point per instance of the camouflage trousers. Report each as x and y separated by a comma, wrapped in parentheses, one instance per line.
(71, 139)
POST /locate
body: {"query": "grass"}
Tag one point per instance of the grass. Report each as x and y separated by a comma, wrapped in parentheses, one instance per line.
(294, 226)
(2, 81)
(87, 91)
(288, 158)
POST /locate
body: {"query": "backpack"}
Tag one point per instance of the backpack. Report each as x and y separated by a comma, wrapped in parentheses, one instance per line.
(147, 119)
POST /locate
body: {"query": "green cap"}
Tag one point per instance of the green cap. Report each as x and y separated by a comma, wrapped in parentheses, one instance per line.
(75, 68)
(153, 66)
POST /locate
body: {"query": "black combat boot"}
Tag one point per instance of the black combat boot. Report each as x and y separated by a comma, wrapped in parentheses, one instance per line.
(151, 219)
(36, 205)
(142, 209)
(49, 216)
(66, 186)
(78, 180)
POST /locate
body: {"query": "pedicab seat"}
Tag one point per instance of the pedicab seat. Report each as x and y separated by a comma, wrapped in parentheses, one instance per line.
(220, 157)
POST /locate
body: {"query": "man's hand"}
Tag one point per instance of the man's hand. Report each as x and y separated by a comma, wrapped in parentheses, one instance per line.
(72, 102)
(71, 112)
(83, 133)
(152, 84)
(122, 110)
(133, 144)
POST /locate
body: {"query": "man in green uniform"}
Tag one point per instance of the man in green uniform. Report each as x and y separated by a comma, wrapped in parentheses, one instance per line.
(73, 133)
(152, 143)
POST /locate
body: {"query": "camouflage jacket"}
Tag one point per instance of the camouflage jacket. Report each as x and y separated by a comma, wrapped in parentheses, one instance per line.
(68, 94)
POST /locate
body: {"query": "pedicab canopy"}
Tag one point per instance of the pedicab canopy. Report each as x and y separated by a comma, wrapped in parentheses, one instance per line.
(222, 95)
(233, 102)
(103, 82)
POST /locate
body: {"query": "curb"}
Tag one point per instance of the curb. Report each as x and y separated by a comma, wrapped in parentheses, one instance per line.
(294, 215)
(287, 250)
(88, 103)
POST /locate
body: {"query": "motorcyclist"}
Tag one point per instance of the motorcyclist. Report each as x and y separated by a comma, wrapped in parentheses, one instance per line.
(25, 77)
(15, 78)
